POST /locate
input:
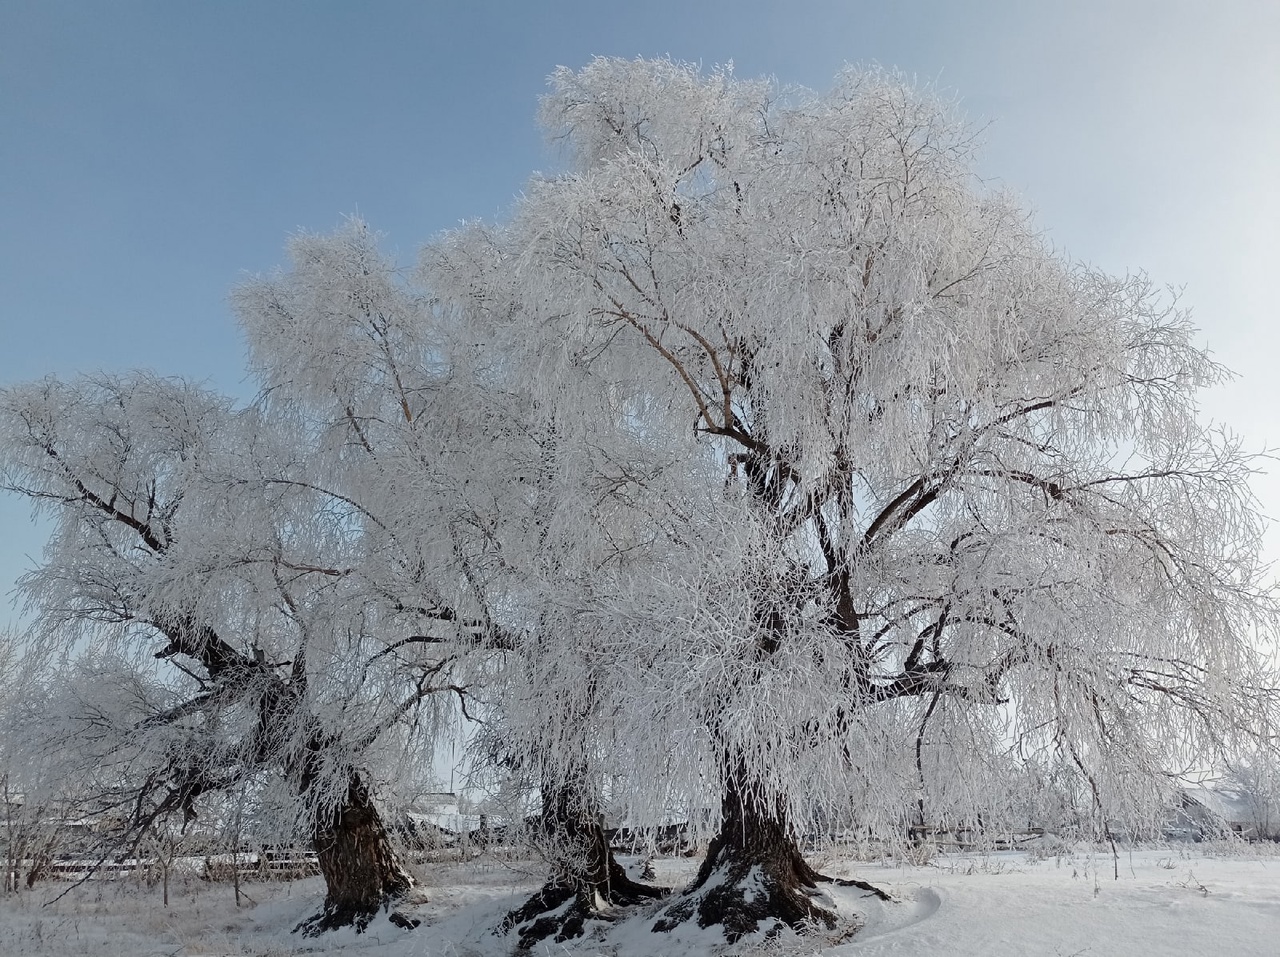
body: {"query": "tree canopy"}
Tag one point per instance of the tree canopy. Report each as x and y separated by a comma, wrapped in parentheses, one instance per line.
(765, 457)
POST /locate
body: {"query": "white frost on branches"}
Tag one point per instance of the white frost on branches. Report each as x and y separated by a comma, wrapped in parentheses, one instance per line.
(766, 446)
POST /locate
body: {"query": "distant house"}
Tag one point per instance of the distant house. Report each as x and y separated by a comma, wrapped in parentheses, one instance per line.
(1209, 812)
(438, 820)
(443, 804)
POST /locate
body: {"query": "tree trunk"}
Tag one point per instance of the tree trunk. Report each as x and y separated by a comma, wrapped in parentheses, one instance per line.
(586, 880)
(753, 873)
(361, 871)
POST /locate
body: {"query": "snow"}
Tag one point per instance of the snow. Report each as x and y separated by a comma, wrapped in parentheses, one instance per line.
(1170, 901)
(1163, 903)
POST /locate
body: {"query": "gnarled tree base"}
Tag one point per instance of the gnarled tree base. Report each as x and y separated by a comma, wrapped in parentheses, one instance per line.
(754, 878)
(560, 910)
(745, 894)
(362, 873)
(587, 881)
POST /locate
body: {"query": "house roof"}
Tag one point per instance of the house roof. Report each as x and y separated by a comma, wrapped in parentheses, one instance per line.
(1232, 806)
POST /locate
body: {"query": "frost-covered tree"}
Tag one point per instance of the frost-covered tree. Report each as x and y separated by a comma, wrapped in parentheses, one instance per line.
(764, 457)
(413, 437)
(599, 500)
(34, 791)
(304, 564)
(178, 528)
(972, 499)
(1254, 778)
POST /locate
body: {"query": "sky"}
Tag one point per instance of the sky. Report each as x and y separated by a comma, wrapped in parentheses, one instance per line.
(154, 154)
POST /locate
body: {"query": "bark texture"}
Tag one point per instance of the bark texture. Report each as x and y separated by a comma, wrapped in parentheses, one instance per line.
(362, 872)
(586, 880)
(753, 876)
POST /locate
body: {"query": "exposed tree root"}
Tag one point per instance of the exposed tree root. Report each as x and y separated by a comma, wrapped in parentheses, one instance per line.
(754, 877)
(587, 881)
(560, 910)
(740, 895)
(853, 882)
(336, 917)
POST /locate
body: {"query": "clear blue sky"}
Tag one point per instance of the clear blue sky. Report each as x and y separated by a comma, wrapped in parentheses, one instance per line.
(152, 153)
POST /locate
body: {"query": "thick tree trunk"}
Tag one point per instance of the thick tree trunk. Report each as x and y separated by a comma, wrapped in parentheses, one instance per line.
(754, 875)
(361, 870)
(586, 880)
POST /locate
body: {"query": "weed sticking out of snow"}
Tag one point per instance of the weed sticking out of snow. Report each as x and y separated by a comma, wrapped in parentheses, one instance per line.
(1191, 883)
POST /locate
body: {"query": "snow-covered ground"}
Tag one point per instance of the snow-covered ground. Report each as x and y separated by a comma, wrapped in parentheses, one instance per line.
(1185, 900)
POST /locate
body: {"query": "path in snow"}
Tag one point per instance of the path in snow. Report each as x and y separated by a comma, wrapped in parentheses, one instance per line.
(1162, 904)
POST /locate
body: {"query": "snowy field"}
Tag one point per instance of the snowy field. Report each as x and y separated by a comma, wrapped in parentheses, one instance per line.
(1181, 901)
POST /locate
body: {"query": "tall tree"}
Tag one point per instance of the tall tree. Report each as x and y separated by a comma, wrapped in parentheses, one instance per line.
(967, 474)
(174, 530)
(299, 562)
(597, 501)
